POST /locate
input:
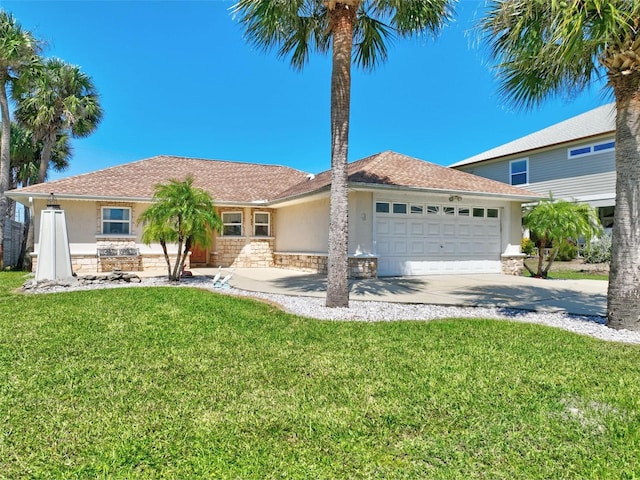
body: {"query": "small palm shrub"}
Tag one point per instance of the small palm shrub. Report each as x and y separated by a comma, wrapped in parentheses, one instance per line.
(598, 251)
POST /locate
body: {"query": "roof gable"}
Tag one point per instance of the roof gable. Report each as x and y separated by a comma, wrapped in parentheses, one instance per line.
(594, 122)
(397, 170)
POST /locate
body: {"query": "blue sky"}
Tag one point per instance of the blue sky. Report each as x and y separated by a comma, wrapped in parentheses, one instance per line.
(177, 78)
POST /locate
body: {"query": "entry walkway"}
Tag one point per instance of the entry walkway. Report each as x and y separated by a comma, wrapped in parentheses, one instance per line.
(581, 297)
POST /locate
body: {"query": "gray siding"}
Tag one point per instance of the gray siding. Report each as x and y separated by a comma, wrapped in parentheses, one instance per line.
(498, 171)
(552, 171)
(554, 165)
(575, 187)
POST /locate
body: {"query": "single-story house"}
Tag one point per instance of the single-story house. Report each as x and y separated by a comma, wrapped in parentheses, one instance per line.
(573, 159)
(406, 216)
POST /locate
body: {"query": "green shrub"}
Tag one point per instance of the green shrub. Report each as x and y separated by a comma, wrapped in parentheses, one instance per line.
(599, 251)
(527, 246)
(567, 251)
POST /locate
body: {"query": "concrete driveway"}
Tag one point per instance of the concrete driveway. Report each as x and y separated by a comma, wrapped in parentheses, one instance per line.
(581, 297)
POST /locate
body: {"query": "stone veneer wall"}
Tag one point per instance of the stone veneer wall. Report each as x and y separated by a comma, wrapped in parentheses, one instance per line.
(359, 267)
(513, 264)
(244, 252)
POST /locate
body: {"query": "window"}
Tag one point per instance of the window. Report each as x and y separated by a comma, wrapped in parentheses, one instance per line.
(116, 221)
(261, 224)
(478, 212)
(449, 210)
(604, 146)
(232, 224)
(519, 171)
(400, 208)
(591, 149)
(382, 207)
(492, 213)
(606, 216)
(417, 209)
(433, 210)
(463, 211)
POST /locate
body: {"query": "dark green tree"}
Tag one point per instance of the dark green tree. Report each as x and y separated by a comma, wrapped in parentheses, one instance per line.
(53, 100)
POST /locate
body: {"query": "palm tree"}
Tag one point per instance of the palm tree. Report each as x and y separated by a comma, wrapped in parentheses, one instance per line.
(181, 214)
(545, 47)
(355, 31)
(57, 99)
(556, 222)
(25, 166)
(17, 51)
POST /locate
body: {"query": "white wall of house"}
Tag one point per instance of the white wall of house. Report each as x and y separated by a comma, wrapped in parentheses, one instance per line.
(303, 228)
(360, 223)
(84, 223)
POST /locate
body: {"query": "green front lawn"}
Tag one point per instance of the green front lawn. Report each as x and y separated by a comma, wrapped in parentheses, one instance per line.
(183, 383)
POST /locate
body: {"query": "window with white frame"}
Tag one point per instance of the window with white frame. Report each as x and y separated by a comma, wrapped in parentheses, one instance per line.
(116, 221)
(400, 208)
(416, 209)
(261, 224)
(584, 150)
(382, 207)
(519, 171)
(231, 224)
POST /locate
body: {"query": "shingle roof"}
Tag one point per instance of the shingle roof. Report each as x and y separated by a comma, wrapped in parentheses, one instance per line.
(225, 181)
(594, 122)
(394, 169)
(237, 182)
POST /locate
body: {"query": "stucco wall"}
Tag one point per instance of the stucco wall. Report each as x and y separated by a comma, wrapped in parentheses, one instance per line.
(303, 227)
(360, 223)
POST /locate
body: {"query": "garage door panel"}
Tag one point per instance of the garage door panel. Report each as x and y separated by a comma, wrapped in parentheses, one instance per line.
(384, 247)
(382, 227)
(449, 229)
(399, 228)
(437, 244)
(464, 230)
(417, 247)
(399, 247)
(417, 228)
(433, 228)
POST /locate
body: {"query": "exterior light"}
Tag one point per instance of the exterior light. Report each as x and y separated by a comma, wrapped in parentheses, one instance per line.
(456, 198)
(52, 202)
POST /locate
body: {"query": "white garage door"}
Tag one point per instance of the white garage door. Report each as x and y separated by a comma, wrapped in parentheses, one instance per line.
(423, 239)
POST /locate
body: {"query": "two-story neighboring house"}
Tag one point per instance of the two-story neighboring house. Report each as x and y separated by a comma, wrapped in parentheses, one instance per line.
(573, 159)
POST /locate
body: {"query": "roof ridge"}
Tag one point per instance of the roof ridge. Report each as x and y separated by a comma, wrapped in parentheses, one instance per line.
(563, 126)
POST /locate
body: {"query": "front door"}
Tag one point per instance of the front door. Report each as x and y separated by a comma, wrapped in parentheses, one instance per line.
(198, 256)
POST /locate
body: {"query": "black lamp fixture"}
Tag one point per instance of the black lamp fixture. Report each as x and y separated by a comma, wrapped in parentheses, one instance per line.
(52, 202)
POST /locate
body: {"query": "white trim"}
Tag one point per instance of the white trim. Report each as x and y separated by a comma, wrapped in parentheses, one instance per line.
(268, 224)
(234, 212)
(526, 171)
(592, 148)
(103, 221)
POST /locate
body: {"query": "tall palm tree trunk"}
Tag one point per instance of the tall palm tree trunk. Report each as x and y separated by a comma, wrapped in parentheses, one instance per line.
(623, 302)
(45, 157)
(341, 24)
(5, 161)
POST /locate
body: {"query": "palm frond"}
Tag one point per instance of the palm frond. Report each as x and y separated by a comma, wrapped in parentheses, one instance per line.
(548, 47)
